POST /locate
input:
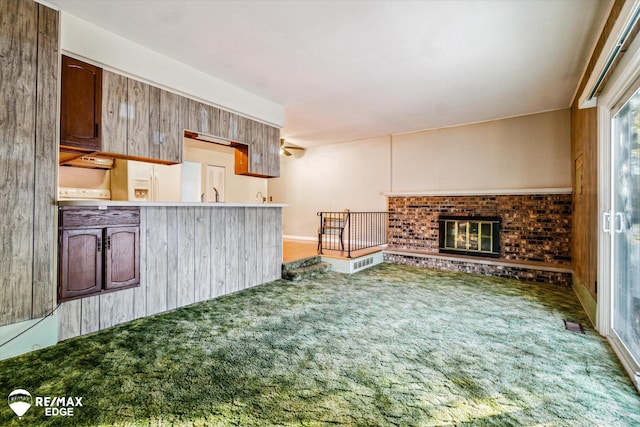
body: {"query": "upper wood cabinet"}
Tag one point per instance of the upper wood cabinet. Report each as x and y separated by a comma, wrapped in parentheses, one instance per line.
(141, 120)
(261, 157)
(114, 113)
(80, 105)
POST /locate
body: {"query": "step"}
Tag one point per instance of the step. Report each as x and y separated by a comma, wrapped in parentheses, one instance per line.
(301, 263)
(305, 272)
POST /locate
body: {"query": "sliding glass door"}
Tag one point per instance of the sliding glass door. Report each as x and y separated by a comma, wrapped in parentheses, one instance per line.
(624, 224)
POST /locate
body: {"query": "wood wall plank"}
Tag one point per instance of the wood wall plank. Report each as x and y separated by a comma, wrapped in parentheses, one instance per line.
(69, 319)
(89, 314)
(18, 50)
(138, 102)
(170, 133)
(173, 239)
(116, 308)
(250, 251)
(46, 147)
(232, 250)
(202, 252)
(260, 220)
(140, 293)
(154, 123)
(185, 283)
(114, 112)
(218, 252)
(157, 260)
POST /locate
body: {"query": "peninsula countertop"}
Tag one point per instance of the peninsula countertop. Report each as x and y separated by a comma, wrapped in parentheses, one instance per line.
(116, 203)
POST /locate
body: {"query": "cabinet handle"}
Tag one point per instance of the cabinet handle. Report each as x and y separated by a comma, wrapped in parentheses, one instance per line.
(99, 244)
(109, 243)
(606, 222)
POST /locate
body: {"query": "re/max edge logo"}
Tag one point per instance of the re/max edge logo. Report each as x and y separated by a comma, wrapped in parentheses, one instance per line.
(20, 401)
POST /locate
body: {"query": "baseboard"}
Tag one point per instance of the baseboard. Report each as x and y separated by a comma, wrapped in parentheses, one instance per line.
(589, 304)
(23, 337)
(303, 238)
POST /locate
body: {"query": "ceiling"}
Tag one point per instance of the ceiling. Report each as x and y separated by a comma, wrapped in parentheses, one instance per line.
(348, 70)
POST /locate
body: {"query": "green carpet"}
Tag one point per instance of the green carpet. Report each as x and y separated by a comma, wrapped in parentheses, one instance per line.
(392, 345)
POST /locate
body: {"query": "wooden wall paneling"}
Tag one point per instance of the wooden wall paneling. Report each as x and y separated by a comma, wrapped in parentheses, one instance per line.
(200, 117)
(138, 121)
(170, 131)
(272, 245)
(69, 319)
(157, 259)
(186, 256)
(223, 119)
(244, 130)
(185, 110)
(114, 112)
(233, 126)
(116, 308)
(584, 229)
(256, 149)
(218, 251)
(203, 260)
(278, 230)
(89, 315)
(260, 246)
(46, 147)
(140, 292)
(173, 252)
(232, 250)
(18, 50)
(154, 123)
(250, 252)
(214, 120)
(273, 144)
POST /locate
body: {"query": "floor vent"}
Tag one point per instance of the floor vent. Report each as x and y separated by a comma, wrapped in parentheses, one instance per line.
(573, 327)
(362, 263)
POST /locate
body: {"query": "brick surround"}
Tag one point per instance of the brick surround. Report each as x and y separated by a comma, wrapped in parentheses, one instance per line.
(535, 229)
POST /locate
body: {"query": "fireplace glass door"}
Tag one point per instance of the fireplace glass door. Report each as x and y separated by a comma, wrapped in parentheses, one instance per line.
(625, 224)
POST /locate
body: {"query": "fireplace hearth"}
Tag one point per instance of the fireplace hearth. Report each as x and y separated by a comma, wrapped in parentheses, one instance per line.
(470, 235)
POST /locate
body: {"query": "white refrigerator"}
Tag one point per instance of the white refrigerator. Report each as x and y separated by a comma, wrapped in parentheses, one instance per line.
(146, 182)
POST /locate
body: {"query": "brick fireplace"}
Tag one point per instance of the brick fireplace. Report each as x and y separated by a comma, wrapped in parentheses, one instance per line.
(534, 240)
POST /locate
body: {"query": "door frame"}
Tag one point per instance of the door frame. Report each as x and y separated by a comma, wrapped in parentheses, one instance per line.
(623, 79)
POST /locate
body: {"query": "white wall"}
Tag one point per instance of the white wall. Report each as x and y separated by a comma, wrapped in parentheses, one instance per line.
(350, 175)
(87, 41)
(524, 152)
(238, 188)
(511, 154)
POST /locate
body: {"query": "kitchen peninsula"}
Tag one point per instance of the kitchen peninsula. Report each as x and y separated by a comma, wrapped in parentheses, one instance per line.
(189, 252)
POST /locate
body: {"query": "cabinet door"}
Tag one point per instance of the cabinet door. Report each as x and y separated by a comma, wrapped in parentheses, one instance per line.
(272, 155)
(80, 263)
(114, 113)
(122, 257)
(138, 132)
(257, 149)
(170, 134)
(80, 105)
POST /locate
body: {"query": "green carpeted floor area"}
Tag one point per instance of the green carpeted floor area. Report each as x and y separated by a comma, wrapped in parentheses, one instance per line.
(392, 345)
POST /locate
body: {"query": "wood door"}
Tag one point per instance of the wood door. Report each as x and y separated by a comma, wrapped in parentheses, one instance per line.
(122, 258)
(138, 122)
(80, 263)
(115, 113)
(170, 133)
(80, 105)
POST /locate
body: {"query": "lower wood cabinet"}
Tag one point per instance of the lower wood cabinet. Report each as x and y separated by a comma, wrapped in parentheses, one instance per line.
(99, 250)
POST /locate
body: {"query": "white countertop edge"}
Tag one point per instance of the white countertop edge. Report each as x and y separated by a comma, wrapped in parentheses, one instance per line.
(168, 204)
(494, 192)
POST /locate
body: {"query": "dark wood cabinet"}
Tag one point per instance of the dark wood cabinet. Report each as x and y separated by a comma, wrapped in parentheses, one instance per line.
(99, 250)
(80, 105)
(122, 266)
(80, 263)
